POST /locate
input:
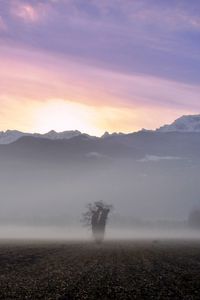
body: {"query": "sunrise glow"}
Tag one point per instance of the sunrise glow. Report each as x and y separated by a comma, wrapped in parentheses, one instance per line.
(64, 114)
(66, 68)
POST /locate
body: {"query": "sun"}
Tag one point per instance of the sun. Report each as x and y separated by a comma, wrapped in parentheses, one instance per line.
(61, 115)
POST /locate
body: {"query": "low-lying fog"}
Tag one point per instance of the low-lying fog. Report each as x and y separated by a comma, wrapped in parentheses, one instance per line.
(151, 199)
(48, 233)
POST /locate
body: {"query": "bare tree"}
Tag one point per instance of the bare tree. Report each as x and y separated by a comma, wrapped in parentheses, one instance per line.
(96, 217)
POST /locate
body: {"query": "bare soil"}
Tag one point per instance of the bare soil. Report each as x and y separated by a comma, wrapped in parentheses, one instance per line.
(113, 270)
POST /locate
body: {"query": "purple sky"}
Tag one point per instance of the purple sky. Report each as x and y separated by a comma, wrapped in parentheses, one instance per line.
(115, 65)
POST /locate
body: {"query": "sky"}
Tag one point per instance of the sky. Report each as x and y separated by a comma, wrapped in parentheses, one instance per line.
(98, 65)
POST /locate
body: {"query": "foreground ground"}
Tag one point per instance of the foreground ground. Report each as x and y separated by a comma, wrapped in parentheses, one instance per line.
(115, 270)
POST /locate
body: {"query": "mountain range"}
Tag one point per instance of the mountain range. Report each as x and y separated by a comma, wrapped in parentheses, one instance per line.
(190, 123)
(148, 174)
(179, 140)
(10, 136)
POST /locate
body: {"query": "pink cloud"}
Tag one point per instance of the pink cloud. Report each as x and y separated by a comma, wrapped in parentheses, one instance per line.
(117, 101)
(28, 12)
(42, 76)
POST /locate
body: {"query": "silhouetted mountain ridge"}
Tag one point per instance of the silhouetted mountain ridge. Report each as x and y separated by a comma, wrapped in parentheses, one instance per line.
(135, 146)
(74, 145)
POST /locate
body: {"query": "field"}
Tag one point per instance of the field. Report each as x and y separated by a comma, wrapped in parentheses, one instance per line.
(114, 270)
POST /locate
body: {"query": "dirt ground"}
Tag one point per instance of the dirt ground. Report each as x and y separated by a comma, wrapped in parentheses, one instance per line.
(113, 270)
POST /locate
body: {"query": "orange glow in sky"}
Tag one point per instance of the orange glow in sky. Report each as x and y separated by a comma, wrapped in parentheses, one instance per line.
(95, 66)
(40, 93)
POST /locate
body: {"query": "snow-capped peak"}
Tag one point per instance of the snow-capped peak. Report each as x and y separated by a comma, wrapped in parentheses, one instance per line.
(61, 135)
(188, 123)
(107, 134)
(10, 136)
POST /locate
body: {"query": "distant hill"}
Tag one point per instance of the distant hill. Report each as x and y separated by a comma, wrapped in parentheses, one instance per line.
(136, 146)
